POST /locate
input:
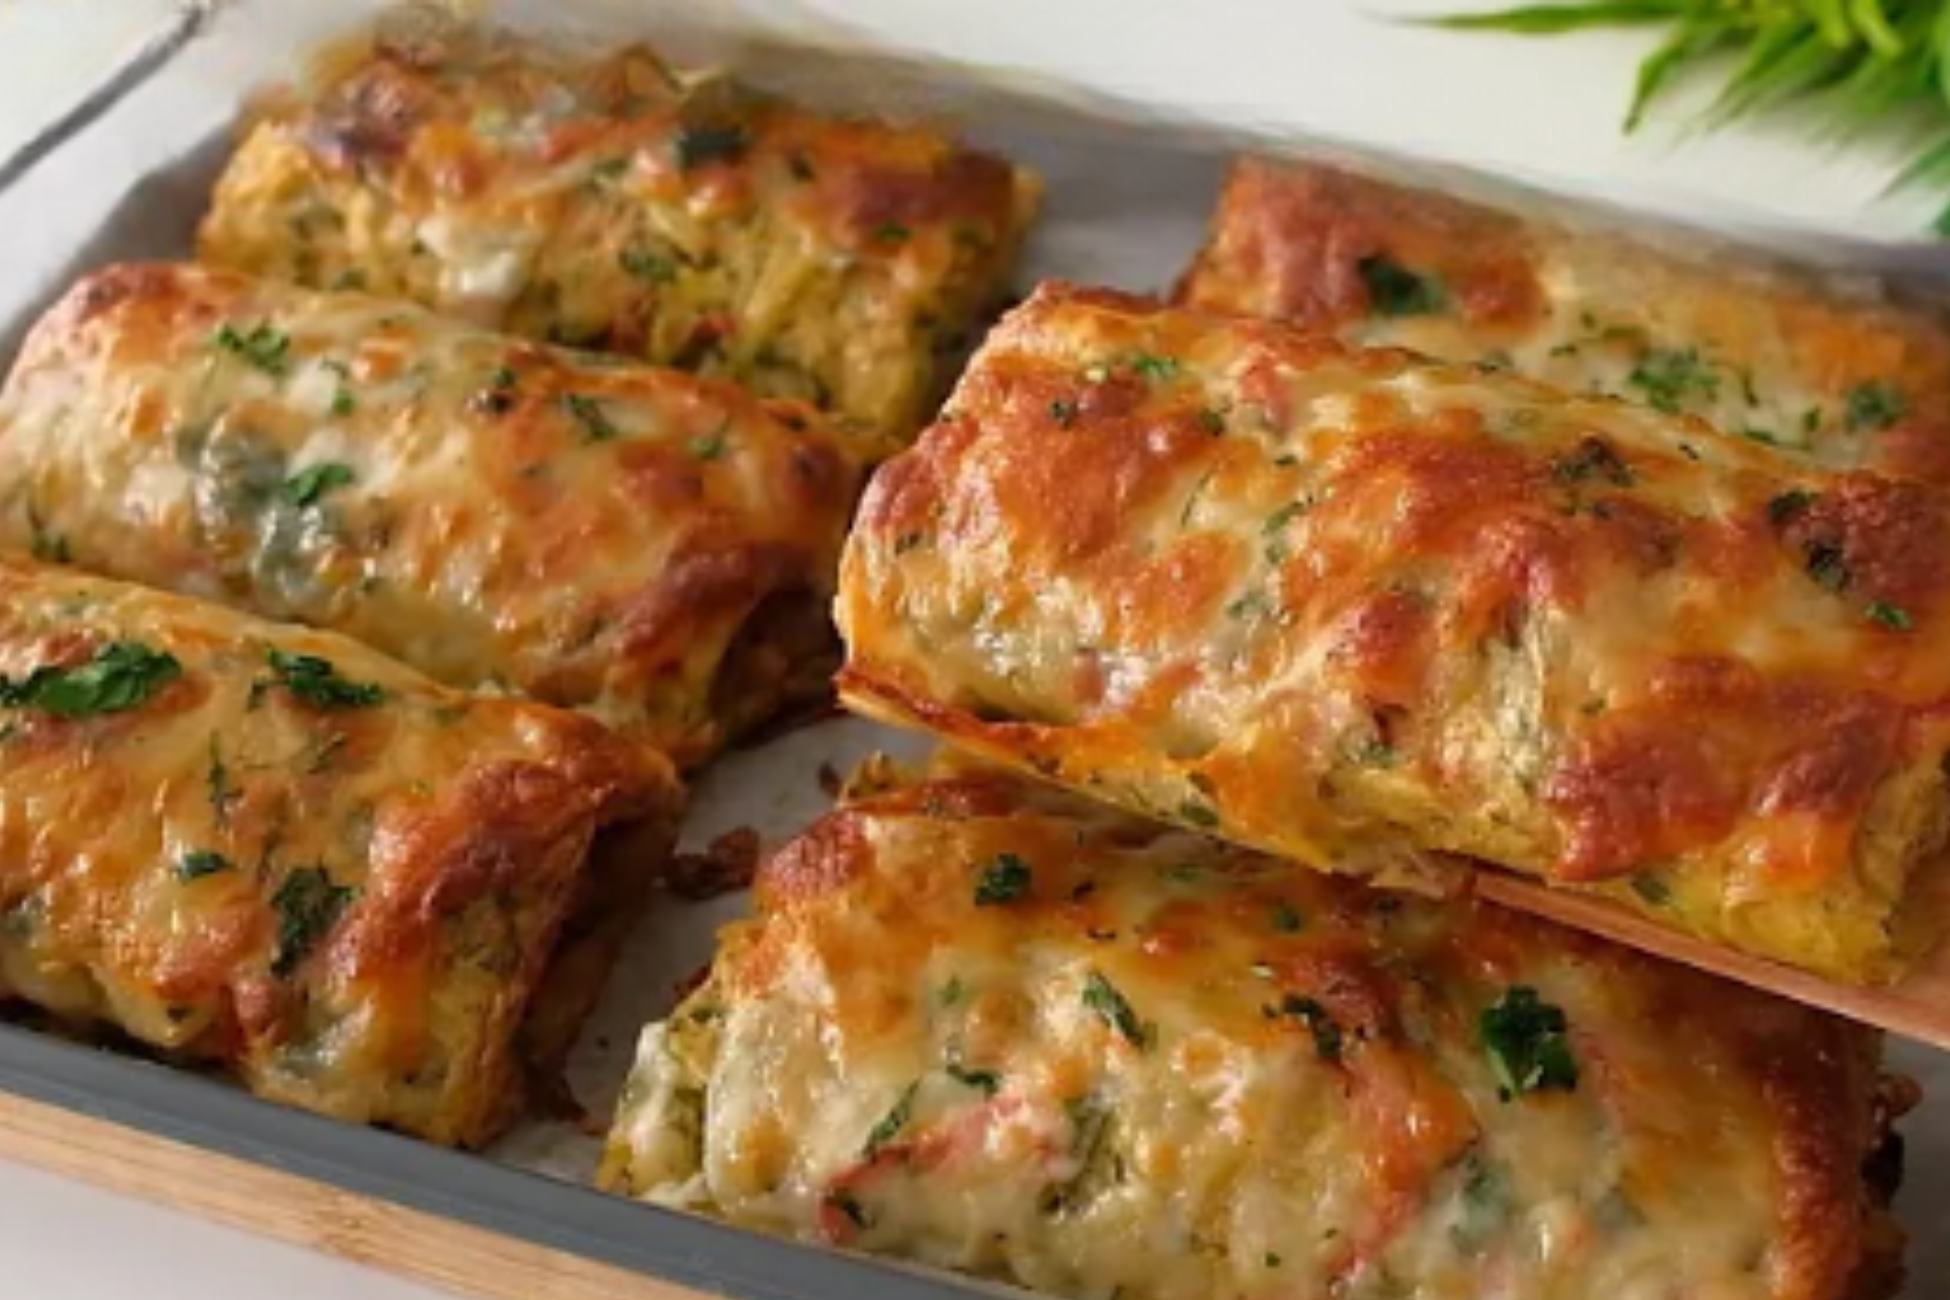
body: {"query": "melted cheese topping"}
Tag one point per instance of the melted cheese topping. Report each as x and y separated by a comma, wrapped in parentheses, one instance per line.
(652, 548)
(1352, 607)
(351, 905)
(603, 204)
(1159, 1069)
(1847, 380)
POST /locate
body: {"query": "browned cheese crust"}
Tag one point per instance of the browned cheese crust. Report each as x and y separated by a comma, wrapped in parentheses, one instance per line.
(280, 852)
(607, 203)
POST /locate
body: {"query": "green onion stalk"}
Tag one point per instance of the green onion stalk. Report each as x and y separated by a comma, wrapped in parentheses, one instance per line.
(1863, 64)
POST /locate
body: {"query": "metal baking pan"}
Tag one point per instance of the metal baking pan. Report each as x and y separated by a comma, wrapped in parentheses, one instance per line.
(125, 175)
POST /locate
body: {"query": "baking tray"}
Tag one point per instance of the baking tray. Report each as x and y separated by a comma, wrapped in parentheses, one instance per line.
(1128, 195)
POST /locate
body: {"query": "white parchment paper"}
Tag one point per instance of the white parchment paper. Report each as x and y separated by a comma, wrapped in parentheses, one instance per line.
(1128, 194)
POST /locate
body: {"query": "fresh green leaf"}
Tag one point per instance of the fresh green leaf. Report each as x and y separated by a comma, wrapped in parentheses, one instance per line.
(121, 676)
(1528, 1045)
(317, 682)
(306, 486)
(1551, 19)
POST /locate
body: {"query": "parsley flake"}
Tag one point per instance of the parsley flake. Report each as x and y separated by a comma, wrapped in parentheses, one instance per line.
(1894, 617)
(1329, 1041)
(317, 682)
(646, 265)
(306, 486)
(701, 146)
(1198, 814)
(121, 676)
(893, 1121)
(199, 863)
(1526, 1040)
(1394, 290)
(1876, 405)
(1828, 566)
(1003, 881)
(589, 413)
(1789, 506)
(263, 346)
(1669, 377)
(1102, 997)
(308, 905)
(986, 1082)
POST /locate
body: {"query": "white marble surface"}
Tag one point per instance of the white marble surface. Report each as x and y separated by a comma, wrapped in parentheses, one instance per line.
(1332, 67)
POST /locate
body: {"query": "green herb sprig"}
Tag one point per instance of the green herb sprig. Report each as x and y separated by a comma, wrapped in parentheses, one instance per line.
(1868, 64)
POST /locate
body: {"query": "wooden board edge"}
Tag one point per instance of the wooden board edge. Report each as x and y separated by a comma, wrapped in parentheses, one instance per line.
(1917, 1006)
(421, 1247)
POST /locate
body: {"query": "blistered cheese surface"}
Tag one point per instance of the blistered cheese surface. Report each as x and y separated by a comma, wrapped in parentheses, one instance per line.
(650, 547)
(1829, 372)
(990, 1027)
(607, 204)
(1357, 608)
(280, 852)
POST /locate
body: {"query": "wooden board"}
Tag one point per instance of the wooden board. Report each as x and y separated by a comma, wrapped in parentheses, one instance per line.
(1918, 1006)
(423, 1247)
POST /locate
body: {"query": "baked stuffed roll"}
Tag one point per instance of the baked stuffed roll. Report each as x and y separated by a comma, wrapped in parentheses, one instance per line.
(989, 1026)
(655, 549)
(279, 852)
(1357, 608)
(1778, 356)
(607, 204)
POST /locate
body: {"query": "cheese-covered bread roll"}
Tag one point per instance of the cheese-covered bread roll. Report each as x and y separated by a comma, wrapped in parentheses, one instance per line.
(655, 549)
(1363, 610)
(605, 203)
(280, 852)
(988, 1026)
(1827, 370)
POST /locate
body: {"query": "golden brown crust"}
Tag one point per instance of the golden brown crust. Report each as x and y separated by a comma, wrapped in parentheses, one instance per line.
(983, 1024)
(1358, 608)
(1775, 354)
(597, 535)
(608, 204)
(281, 852)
